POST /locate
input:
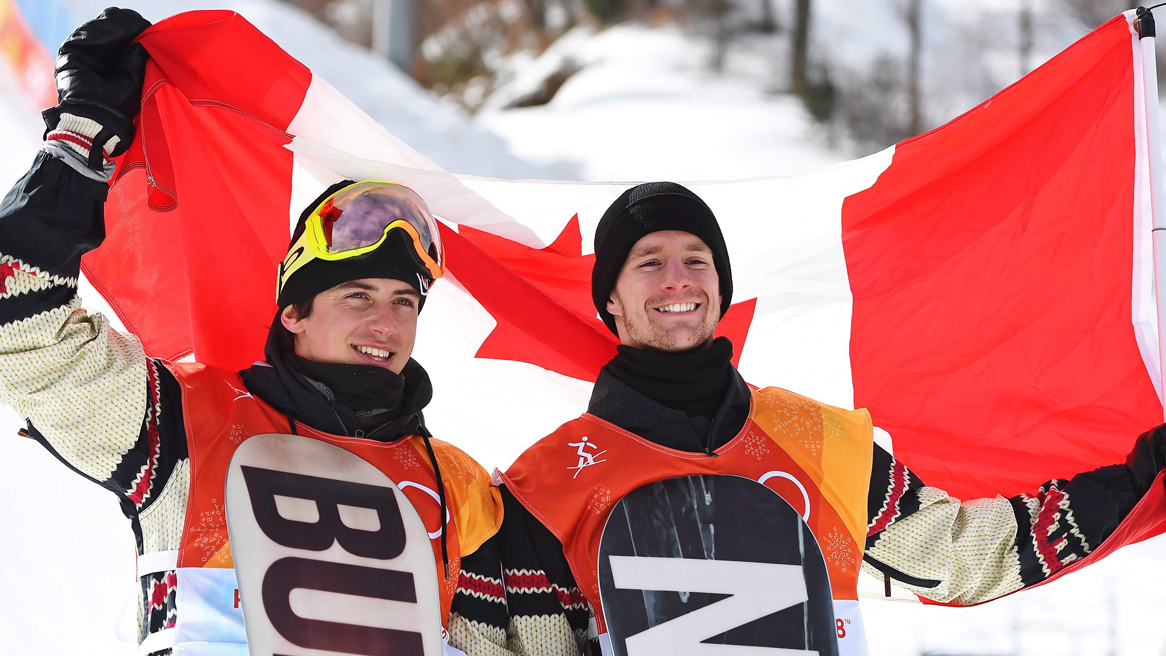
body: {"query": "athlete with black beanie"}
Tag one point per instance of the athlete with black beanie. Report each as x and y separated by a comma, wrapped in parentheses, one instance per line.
(661, 282)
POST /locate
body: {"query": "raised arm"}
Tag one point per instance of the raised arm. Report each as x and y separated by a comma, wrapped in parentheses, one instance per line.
(88, 392)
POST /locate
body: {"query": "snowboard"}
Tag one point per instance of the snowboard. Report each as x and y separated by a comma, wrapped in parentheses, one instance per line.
(330, 555)
(712, 565)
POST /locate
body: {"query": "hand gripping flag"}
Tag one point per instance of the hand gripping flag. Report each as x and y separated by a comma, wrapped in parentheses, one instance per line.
(985, 289)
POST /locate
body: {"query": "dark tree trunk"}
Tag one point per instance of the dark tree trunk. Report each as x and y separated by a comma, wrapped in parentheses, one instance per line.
(801, 47)
(769, 24)
(913, 16)
(537, 10)
(1025, 41)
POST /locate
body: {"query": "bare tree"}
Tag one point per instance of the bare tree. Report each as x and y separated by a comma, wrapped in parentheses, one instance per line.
(799, 75)
(719, 12)
(768, 24)
(536, 11)
(913, 16)
(1024, 42)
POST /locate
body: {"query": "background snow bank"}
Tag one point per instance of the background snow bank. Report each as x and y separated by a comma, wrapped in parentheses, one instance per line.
(645, 107)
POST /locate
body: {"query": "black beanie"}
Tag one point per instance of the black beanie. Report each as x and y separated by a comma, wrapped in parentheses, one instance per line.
(392, 260)
(642, 210)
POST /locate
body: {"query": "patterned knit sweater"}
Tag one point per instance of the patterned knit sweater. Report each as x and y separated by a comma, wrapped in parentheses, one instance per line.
(918, 537)
(92, 397)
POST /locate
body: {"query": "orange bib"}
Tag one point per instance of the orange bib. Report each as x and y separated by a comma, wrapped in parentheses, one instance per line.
(815, 456)
(220, 414)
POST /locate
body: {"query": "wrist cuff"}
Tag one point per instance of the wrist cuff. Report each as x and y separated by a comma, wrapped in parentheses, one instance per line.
(78, 133)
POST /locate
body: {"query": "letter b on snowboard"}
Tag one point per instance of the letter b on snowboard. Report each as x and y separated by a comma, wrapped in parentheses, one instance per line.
(329, 554)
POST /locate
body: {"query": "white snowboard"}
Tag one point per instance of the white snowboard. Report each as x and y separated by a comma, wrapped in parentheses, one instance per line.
(330, 556)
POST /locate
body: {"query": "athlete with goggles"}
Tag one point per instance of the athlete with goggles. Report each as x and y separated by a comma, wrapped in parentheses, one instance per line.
(160, 434)
(357, 220)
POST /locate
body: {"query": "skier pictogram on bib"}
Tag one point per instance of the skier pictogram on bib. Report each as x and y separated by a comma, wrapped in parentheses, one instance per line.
(585, 459)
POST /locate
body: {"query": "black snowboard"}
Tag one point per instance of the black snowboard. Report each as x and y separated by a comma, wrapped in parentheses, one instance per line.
(725, 549)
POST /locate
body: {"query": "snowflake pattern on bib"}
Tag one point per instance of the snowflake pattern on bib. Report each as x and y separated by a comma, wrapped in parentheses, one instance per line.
(404, 455)
(210, 531)
(238, 433)
(599, 501)
(832, 426)
(461, 468)
(837, 549)
(797, 417)
(755, 445)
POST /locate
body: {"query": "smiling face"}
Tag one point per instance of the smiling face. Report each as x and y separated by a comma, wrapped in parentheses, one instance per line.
(367, 321)
(667, 296)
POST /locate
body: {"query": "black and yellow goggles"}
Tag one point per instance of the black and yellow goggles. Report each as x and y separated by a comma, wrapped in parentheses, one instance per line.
(359, 218)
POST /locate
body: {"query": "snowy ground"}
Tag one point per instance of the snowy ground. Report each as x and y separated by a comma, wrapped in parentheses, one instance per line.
(644, 109)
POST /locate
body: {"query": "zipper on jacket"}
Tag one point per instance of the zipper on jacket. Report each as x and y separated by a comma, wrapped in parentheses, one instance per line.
(375, 430)
(708, 445)
(337, 414)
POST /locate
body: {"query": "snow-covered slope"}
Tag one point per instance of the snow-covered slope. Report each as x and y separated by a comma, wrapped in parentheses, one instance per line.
(646, 107)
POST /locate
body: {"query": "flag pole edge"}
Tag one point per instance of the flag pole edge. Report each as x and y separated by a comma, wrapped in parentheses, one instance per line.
(1146, 33)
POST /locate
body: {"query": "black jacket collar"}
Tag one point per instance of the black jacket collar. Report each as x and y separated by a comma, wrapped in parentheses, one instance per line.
(614, 401)
(310, 402)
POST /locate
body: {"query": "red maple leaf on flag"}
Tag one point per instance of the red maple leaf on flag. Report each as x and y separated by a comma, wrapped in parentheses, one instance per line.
(541, 301)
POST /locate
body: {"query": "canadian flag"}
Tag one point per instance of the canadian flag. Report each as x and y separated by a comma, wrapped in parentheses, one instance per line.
(985, 289)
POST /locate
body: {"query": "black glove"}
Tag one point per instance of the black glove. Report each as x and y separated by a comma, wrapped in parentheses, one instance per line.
(99, 78)
(1148, 458)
